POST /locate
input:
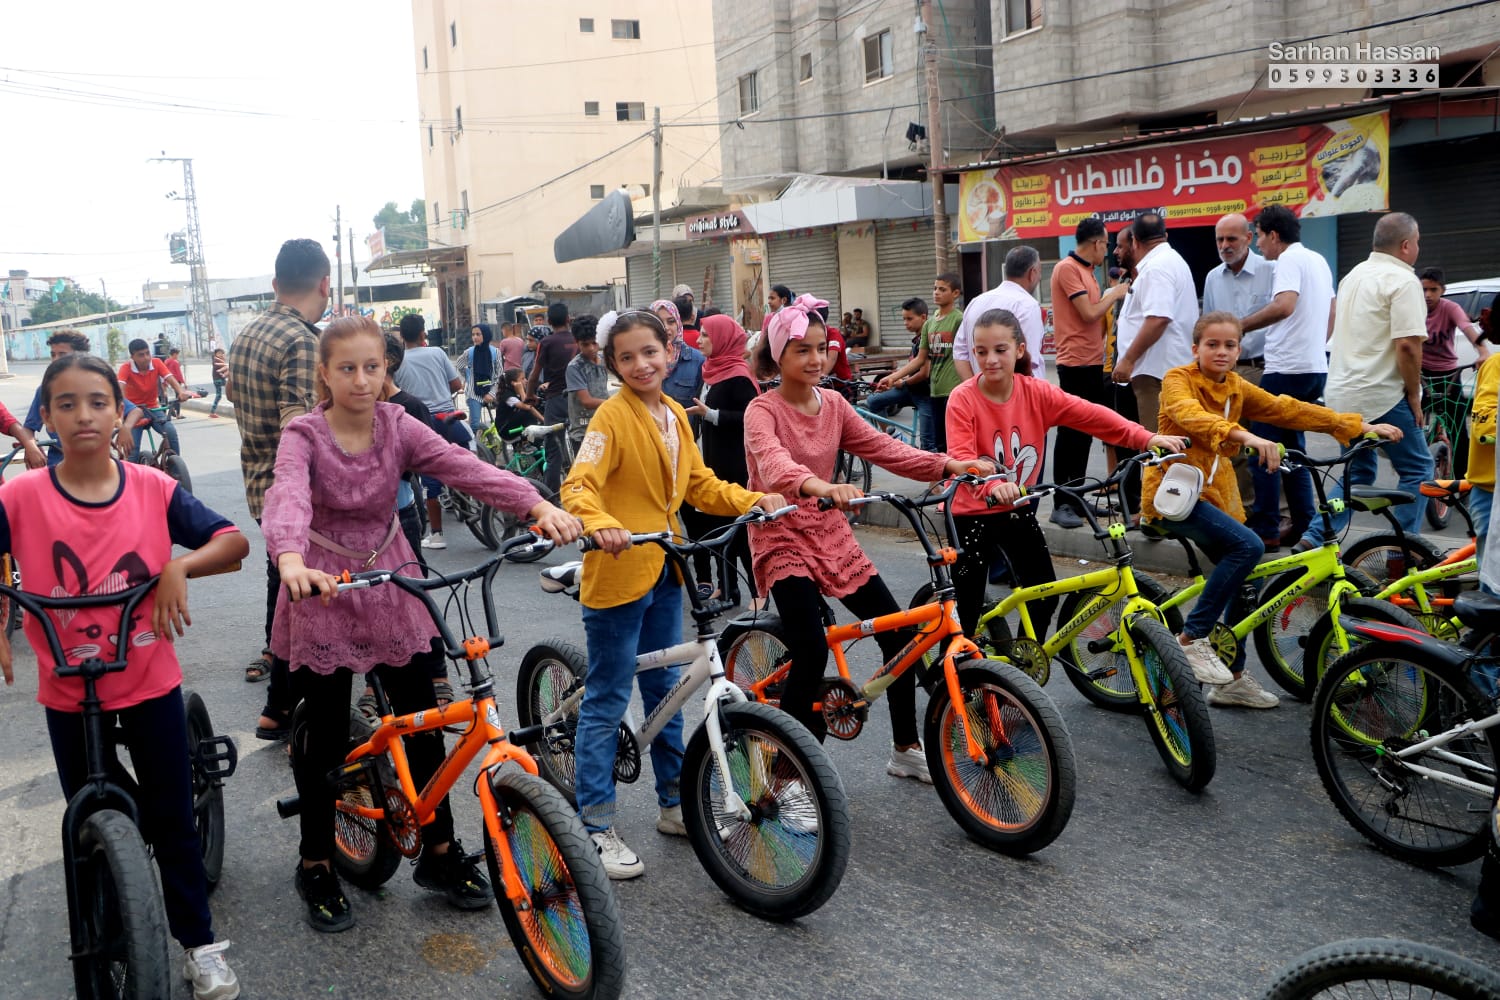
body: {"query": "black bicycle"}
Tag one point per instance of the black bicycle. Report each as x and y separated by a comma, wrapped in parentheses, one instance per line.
(117, 922)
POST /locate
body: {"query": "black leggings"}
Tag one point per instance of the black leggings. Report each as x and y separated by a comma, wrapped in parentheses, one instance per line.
(736, 554)
(325, 701)
(983, 537)
(801, 608)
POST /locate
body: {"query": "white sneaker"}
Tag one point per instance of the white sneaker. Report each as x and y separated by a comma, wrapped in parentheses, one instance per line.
(669, 821)
(211, 976)
(1207, 666)
(620, 862)
(909, 764)
(1244, 691)
(434, 541)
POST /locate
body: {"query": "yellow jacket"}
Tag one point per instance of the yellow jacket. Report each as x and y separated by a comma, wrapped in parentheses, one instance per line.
(622, 479)
(1193, 406)
(1481, 470)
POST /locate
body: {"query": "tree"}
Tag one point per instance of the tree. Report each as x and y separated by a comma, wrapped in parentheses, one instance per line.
(71, 301)
(404, 230)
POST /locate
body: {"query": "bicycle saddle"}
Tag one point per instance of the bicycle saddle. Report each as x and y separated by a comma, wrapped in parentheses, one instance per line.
(562, 579)
(1478, 610)
(1373, 498)
(1445, 488)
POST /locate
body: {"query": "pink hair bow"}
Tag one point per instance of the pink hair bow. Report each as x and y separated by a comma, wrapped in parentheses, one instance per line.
(790, 322)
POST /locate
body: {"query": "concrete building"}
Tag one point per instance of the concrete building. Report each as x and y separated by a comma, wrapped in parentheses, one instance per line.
(530, 114)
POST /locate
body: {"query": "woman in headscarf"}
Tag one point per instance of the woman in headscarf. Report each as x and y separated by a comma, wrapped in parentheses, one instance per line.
(731, 387)
(685, 363)
(480, 363)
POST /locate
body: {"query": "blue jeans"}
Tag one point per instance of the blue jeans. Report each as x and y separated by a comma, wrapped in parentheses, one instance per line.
(161, 425)
(1265, 520)
(1409, 457)
(1481, 501)
(615, 637)
(1235, 550)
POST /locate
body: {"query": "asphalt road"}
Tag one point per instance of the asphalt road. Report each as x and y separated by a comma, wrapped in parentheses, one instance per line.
(1149, 892)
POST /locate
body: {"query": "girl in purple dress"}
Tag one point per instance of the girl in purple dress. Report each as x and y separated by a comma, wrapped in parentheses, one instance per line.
(331, 509)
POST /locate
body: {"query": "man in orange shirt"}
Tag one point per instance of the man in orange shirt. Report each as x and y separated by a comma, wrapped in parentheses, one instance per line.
(1078, 311)
(141, 378)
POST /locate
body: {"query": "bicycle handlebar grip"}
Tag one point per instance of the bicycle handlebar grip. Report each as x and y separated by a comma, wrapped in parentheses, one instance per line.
(1486, 439)
(587, 544)
(289, 806)
(826, 503)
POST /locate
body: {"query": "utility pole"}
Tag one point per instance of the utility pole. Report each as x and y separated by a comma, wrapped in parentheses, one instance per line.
(353, 271)
(338, 255)
(108, 313)
(934, 141)
(656, 199)
(200, 310)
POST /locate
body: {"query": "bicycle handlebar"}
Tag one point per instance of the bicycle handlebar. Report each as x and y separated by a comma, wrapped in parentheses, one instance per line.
(713, 540)
(536, 432)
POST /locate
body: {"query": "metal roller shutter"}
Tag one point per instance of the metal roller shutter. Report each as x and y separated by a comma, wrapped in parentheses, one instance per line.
(689, 267)
(904, 266)
(640, 285)
(806, 264)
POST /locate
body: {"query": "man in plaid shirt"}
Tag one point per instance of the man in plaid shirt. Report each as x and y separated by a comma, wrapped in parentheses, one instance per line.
(272, 368)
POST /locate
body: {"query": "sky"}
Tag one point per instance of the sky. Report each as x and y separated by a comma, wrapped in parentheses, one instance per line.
(288, 108)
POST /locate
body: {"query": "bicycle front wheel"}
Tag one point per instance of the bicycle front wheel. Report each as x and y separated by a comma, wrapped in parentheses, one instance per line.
(174, 466)
(1382, 967)
(569, 936)
(10, 611)
(122, 929)
(1438, 511)
(1176, 714)
(787, 858)
(1018, 799)
(1375, 702)
(753, 653)
(551, 672)
(1104, 678)
(506, 526)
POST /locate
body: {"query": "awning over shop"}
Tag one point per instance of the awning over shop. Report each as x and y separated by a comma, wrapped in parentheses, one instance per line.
(425, 258)
(810, 202)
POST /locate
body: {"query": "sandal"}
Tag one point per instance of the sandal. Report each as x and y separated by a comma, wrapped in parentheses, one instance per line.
(367, 707)
(259, 668)
(444, 692)
(280, 730)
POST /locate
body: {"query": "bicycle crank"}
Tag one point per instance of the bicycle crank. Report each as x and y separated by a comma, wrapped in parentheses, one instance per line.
(1224, 644)
(845, 710)
(1030, 658)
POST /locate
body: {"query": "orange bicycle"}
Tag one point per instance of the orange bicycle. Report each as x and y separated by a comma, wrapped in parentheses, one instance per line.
(550, 886)
(997, 748)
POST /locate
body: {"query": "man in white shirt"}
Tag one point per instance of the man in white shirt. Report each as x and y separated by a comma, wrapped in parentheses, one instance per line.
(1023, 272)
(1297, 322)
(1376, 365)
(1156, 323)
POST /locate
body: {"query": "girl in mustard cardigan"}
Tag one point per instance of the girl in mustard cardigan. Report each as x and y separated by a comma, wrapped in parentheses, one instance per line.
(634, 469)
(1205, 402)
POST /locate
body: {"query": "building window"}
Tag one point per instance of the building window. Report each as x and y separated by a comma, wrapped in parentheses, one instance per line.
(436, 215)
(429, 137)
(458, 118)
(625, 29)
(1022, 15)
(453, 34)
(630, 111)
(586, 25)
(464, 200)
(804, 73)
(749, 98)
(878, 58)
(596, 191)
(591, 108)
(424, 57)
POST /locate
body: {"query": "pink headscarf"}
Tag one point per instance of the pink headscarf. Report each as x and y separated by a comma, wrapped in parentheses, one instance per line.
(674, 349)
(727, 358)
(790, 322)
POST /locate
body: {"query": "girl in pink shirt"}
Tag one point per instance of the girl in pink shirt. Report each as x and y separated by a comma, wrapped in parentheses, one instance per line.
(792, 437)
(997, 416)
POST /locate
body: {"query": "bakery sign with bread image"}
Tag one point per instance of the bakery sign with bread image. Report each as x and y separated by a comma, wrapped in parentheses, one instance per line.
(1327, 168)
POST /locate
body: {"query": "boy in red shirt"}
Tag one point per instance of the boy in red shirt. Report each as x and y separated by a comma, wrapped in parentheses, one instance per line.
(141, 378)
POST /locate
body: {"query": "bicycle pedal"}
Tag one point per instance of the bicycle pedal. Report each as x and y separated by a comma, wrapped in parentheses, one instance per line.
(1103, 673)
(217, 757)
(348, 772)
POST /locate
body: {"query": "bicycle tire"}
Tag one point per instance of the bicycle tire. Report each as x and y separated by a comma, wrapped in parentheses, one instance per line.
(1372, 555)
(174, 466)
(208, 793)
(751, 653)
(10, 611)
(855, 471)
(1376, 698)
(144, 457)
(363, 849)
(1089, 672)
(1438, 512)
(471, 512)
(1019, 803)
(1381, 963)
(508, 526)
(1176, 716)
(772, 865)
(548, 673)
(569, 894)
(1320, 651)
(1281, 641)
(123, 931)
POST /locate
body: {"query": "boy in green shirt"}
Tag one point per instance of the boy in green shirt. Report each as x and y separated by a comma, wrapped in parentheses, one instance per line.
(937, 347)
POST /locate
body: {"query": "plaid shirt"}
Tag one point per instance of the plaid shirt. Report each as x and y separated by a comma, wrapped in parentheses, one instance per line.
(272, 366)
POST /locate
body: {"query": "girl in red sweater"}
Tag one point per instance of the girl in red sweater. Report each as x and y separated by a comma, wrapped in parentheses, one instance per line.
(792, 437)
(995, 415)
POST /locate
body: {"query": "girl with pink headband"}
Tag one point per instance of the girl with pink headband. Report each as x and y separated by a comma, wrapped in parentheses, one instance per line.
(792, 436)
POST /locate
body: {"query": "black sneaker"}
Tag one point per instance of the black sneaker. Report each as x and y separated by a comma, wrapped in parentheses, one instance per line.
(327, 909)
(456, 875)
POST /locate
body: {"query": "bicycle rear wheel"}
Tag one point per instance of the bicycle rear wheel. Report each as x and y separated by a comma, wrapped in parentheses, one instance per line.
(570, 938)
(1104, 678)
(1438, 512)
(850, 468)
(1321, 649)
(174, 466)
(364, 849)
(789, 856)
(751, 654)
(10, 611)
(1282, 639)
(1176, 714)
(1377, 700)
(1019, 799)
(550, 673)
(1379, 554)
(1382, 967)
(122, 931)
(505, 526)
(208, 792)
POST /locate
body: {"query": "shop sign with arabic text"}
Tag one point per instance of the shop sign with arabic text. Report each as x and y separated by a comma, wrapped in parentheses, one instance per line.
(1330, 168)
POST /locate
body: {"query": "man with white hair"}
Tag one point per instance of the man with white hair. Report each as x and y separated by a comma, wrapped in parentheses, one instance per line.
(1017, 294)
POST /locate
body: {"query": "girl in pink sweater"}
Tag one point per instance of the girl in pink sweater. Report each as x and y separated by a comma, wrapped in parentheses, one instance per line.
(792, 437)
(997, 416)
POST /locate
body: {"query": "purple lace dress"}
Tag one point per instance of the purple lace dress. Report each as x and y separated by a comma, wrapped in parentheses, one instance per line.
(351, 499)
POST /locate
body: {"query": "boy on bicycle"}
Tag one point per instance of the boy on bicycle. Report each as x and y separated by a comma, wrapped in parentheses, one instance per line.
(141, 378)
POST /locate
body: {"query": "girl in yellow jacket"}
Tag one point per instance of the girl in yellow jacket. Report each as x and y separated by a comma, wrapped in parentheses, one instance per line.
(1205, 401)
(634, 469)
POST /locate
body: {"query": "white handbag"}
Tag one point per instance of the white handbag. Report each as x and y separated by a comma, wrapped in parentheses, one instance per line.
(1177, 493)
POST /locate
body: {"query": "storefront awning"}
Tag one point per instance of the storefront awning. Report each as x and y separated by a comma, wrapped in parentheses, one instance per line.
(425, 258)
